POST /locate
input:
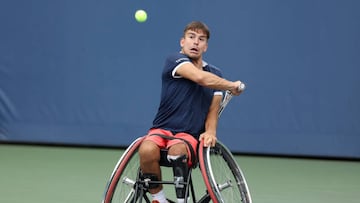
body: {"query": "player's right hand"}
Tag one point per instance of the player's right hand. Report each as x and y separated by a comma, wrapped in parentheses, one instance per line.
(236, 90)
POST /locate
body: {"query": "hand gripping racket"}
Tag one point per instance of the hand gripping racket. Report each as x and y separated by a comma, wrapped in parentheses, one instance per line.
(227, 97)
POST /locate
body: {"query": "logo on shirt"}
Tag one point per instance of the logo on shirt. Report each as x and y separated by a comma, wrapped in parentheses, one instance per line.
(181, 60)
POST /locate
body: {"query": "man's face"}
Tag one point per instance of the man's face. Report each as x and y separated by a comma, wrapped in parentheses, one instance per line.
(194, 43)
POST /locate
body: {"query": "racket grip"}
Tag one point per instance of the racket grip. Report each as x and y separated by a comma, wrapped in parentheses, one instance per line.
(241, 86)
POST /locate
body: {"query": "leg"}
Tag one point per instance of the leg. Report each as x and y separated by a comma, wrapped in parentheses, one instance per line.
(149, 154)
(178, 156)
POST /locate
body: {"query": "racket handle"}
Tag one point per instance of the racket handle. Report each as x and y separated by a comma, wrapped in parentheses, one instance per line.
(241, 86)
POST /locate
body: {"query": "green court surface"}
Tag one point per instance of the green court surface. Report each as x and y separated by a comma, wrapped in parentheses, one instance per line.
(39, 174)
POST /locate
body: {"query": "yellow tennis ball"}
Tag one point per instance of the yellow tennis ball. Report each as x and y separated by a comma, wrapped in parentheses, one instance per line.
(140, 16)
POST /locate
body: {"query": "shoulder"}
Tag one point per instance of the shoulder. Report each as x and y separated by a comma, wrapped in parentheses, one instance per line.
(177, 58)
(173, 62)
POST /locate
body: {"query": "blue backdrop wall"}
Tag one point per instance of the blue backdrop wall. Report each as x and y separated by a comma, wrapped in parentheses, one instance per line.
(85, 72)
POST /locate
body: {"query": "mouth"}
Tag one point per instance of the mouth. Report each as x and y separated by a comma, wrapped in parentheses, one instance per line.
(194, 50)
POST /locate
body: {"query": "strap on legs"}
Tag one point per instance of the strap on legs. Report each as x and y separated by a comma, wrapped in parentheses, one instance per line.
(194, 159)
(148, 180)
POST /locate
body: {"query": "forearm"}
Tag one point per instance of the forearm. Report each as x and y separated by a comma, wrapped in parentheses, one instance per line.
(209, 136)
(207, 79)
(211, 125)
(212, 117)
(215, 82)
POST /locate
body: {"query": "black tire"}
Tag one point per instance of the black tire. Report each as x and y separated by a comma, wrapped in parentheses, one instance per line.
(121, 186)
(223, 177)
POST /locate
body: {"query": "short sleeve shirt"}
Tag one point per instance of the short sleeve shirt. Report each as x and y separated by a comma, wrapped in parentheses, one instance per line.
(184, 104)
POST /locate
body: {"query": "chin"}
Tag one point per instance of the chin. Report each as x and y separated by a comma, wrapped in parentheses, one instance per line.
(194, 56)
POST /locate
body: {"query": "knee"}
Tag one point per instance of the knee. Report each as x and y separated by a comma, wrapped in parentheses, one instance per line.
(149, 151)
(178, 150)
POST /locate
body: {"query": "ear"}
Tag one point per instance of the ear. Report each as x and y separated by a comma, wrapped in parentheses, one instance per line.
(181, 42)
(206, 47)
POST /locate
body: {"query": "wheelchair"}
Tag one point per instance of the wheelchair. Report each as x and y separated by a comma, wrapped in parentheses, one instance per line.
(224, 182)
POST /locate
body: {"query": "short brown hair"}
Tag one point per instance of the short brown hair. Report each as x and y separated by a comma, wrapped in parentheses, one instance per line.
(197, 25)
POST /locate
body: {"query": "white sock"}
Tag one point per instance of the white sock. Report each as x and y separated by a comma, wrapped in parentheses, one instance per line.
(160, 196)
(180, 200)
(183, 200)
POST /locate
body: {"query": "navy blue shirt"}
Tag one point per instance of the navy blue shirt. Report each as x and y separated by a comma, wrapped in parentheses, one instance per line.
(184, 104)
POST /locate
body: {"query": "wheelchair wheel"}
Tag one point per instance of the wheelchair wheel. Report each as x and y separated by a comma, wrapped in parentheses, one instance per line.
(223, 178)
(121, 186)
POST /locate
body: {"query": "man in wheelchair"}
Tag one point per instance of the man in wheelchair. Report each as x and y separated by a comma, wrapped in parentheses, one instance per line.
(188, 112)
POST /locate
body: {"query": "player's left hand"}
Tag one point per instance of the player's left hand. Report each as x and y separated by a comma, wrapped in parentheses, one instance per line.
(208, 138)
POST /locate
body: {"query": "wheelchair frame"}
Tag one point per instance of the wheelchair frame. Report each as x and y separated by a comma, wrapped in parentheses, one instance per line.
(222, 176)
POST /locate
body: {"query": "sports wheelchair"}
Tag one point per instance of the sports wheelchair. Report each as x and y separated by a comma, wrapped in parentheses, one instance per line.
(224, 181)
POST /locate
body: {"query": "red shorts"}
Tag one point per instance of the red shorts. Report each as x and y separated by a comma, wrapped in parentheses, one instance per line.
(164, 143)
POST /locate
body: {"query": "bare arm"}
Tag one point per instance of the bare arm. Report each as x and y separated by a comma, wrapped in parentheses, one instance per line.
(209, 136)
(207, 79)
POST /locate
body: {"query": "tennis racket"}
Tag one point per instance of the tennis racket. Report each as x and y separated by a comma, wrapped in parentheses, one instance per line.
(227, 97)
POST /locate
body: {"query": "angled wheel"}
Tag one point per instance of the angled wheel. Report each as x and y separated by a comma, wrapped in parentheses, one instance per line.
(121, 187)
(223, 177)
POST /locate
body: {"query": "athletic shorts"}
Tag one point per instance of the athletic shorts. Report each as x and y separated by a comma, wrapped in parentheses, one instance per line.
(164, 143)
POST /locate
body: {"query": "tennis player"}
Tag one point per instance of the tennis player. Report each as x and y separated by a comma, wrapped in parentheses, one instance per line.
(191, 94)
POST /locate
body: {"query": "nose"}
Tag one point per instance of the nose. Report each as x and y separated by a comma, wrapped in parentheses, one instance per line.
(196, 40)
